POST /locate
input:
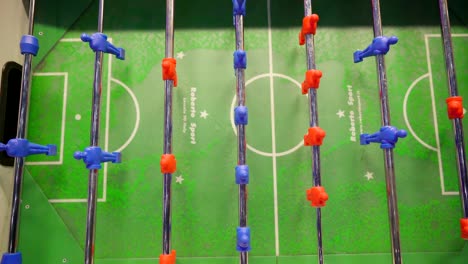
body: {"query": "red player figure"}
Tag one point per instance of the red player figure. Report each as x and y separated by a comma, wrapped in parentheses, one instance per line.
(312, 80)
(309, 26)
(317, 196)
(169, 70)
(314, 137)
(168, 259)
(464, 228)
(455, 107)
(168, 163)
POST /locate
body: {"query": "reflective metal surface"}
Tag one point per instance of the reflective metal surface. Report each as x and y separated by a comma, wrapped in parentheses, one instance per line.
(241, 140)
(168, 86)
(313, 115)
(388, 153)
(93, 174)
(94, 141)
(21, 133)
(453, 90)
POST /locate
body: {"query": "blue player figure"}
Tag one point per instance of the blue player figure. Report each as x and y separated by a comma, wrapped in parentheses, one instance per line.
(387, 137)
(238, 7)
(243, 239)
(240, 59)
(241, 115)
(98, 42)
(93, 156)
(379, 46)
(20, 147)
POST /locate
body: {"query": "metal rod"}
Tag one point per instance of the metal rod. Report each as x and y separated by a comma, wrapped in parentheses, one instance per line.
(313, 115)
(93, 174)
(453, 90)
(167, 179)
(91, 217)
(241, 140)
(21, 133)
(388, 153)
(169, 28)
(101, 16)
(168, 86)
(94, 141)
(31, 13)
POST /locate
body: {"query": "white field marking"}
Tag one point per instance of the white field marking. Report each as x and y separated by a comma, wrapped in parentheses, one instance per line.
(273, 129)
(106, 140)
(71, 40)
(72, 200)
(434, 112)
(78, 40)
(137, 111)
(405, 112)
(432, 87)
(62, 129)
(439, 36)
(427, 36)
(254, 150)
(305, 255)
(106, 133)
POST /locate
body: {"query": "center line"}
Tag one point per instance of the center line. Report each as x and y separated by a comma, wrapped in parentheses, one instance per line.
(273, 133)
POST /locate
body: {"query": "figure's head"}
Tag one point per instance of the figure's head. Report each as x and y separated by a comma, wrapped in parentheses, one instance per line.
(85, 37)
(314, 18)
(401, 133)
(244, 241)
(392, 40)
(243, 238)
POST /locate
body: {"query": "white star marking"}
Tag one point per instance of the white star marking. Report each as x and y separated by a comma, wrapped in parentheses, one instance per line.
(179, 179)
(203, 114)
(340, 113)
(369, 175)
(180, 55)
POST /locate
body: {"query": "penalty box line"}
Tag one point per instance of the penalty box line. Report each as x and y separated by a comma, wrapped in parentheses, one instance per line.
(62, 126)
(106, 135)
(434, 111)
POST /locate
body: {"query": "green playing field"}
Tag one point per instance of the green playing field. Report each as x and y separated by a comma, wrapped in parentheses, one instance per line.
(205, 197)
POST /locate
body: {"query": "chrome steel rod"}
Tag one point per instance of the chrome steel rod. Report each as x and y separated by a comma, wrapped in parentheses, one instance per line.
(167, 178)
(93, 174)
(31, 14)
(21, 133)
(168, 86)
(313, 115)
(94, 141)
(241, 140)
(388, 153)
(453, 90)
(91, 217)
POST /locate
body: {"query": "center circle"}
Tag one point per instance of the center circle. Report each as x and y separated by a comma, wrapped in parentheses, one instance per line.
(253, 79)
